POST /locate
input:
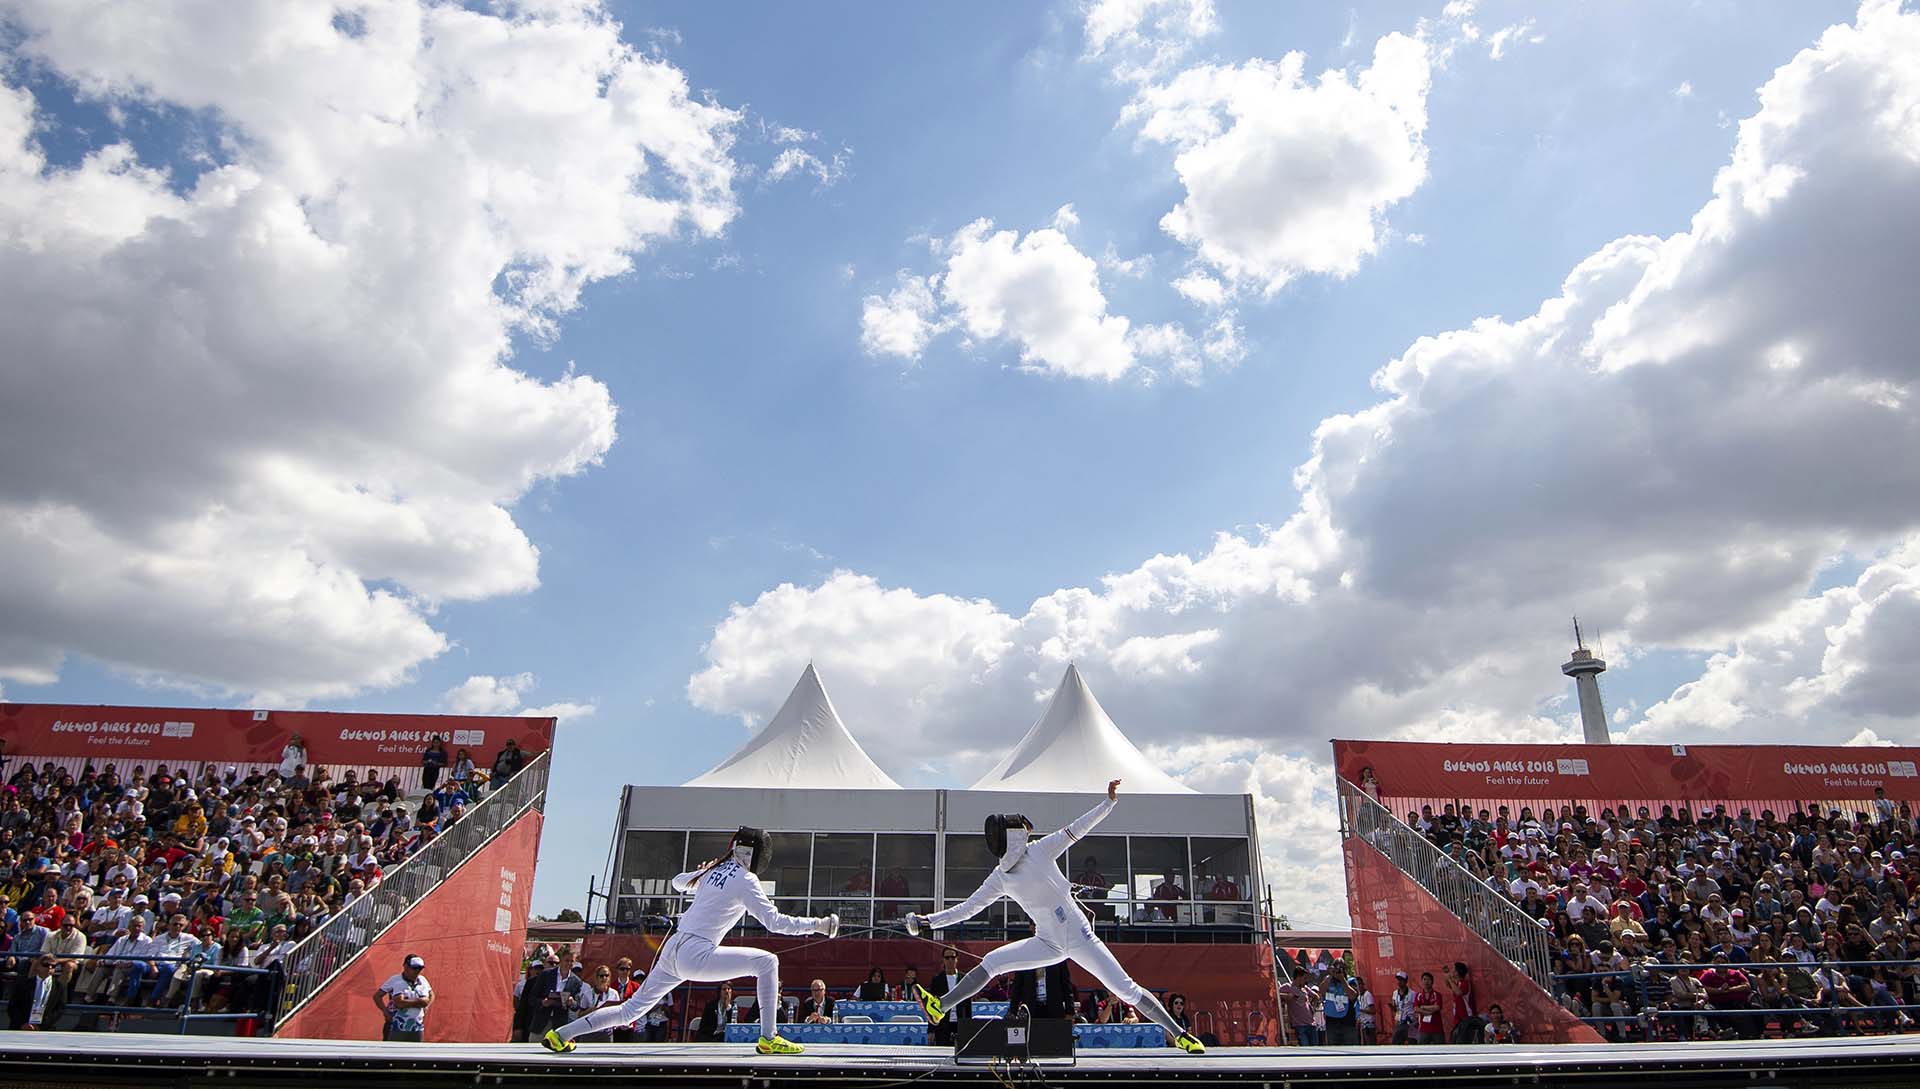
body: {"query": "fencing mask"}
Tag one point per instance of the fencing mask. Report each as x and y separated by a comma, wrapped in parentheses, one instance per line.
(1004, 829)
(753, 849)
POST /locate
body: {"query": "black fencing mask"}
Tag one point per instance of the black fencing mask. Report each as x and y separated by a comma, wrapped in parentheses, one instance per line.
(753, 848)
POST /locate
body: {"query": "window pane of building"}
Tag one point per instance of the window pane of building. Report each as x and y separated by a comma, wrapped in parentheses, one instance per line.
(1100, 863)
(968, 863)
(792, 856)
(1220, 869)
(904, 865)
(648, 864)
(703, 847)
(843, 865)
(1159, 875)
(650, 861)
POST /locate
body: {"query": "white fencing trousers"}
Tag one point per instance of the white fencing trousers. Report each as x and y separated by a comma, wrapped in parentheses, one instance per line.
(686, 957)
(1082, 948)
(1085, 950)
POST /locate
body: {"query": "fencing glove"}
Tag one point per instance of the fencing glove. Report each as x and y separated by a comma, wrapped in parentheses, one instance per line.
(828, 925)
(915, 923)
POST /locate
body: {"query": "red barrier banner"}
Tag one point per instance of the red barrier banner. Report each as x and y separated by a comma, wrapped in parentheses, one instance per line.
(1413, 769)
(470, 930)
(1229, 988)
(1399, 926)
(175, 735)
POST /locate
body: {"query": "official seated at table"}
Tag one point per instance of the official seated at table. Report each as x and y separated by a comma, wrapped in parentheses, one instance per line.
(817, 1007)
(719, 1013)
(1046, 992)
(875, 988)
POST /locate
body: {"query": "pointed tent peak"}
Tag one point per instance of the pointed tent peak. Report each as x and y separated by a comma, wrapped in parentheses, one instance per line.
(1075, 747)
(805, 744)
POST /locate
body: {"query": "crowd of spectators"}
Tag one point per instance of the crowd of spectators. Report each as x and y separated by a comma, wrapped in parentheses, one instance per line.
(188, 873)
(1710, 923)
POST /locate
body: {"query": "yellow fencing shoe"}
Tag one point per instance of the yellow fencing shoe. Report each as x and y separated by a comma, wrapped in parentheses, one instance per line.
(929, 1004)
(552, 1042)
(1190, 1044)
(776, 1045)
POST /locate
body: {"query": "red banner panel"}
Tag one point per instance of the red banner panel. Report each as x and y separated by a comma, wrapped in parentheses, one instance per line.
(1691, 773)
(1398, 926)
(1229, 988)
(470, 930)
(175, 735)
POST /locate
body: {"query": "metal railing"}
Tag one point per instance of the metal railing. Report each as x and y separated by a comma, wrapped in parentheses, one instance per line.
(1484, 909)
(326, 952)
(1651, 1010)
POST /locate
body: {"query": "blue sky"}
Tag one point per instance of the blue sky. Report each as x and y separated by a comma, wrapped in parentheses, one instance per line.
(760, 444)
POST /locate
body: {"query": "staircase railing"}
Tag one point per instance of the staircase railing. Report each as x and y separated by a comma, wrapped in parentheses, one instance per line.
(1483, 908)
(325, 953)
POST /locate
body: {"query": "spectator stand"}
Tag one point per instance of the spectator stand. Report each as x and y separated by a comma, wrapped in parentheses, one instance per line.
(1813, 901)
(1653, 1015)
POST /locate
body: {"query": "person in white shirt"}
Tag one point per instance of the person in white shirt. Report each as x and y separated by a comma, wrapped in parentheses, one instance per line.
(172, 943)
(1027, 874)
(1579, 900)
(723, 891)
(403, 1000)
(110, 918)
(118, 976)
(293, 757)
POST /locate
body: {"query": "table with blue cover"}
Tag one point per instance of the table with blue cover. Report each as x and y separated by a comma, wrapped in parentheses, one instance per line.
(882, 1032)
(887, 1011)
(837, 1032)
(879, 1011)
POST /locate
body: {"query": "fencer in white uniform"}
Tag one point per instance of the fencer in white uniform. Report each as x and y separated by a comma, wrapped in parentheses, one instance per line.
(1026, 872)
(723, 891)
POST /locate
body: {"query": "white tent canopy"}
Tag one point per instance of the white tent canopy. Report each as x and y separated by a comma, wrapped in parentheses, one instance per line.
(1075, 747)
(805, 745)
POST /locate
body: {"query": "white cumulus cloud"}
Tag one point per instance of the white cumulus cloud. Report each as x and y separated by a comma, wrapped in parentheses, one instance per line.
(255, 421)
(1037, 291)
(1284, 175)
(482, 694)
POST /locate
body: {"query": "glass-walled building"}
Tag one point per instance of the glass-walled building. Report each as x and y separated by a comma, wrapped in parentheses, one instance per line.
(1161, 867)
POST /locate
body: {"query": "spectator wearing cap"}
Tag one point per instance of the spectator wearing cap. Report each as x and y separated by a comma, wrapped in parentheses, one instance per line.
(1404, 1016)
(403, 1000)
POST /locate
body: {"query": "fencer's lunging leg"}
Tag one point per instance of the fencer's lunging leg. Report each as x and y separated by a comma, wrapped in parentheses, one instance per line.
(652, 990)
(1012, 957)
(1093, 955)
(713, 963)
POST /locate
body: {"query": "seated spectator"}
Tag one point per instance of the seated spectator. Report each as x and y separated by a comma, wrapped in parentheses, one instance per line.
(1498, 1030)
(508, 762)
(37, 997)
(720, 1013)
